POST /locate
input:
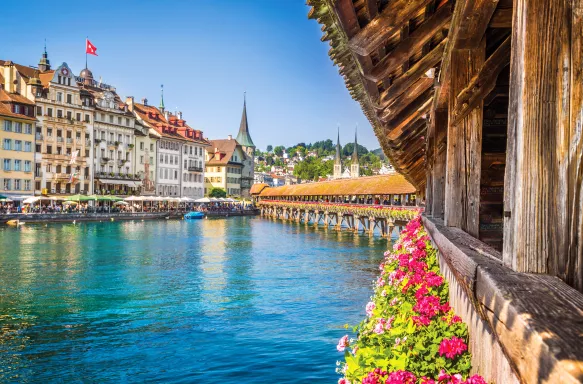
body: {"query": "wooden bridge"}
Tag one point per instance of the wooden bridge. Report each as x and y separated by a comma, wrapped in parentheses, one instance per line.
(380, 219)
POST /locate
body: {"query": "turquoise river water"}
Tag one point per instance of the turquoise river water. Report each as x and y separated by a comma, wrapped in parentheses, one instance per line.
(238, 300)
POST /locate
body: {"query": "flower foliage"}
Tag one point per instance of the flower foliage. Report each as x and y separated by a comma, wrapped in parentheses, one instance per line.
(381, 211)
(410, 334)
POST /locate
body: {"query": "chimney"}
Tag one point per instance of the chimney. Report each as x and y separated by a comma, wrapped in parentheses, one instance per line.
(179, 114)
(130, 103)
(230, 137)
(166, 114)
(145, 101)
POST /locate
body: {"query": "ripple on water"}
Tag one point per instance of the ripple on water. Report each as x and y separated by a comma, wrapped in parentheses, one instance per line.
(242, 299)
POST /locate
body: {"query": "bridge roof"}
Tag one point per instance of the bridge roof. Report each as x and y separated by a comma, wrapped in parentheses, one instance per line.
(393, 184)
(257, 188)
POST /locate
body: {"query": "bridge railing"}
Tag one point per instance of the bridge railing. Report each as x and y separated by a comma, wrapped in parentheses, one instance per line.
(378, 211)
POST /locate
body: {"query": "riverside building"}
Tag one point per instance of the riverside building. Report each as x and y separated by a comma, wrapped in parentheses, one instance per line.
(17, 124)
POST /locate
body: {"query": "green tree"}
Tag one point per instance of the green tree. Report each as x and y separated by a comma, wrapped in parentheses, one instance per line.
(269, 148)
(217, 192)
(278, 150)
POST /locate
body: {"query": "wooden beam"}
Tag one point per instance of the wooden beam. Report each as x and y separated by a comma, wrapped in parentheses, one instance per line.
(538, 186)
(464, 148)
(384, 25)
(418, 70)
(502, 18)
(439, 121)
(396, 128)
(371, 8)
(408, 47)
(476, 17)
(482, 83)
(414, 91)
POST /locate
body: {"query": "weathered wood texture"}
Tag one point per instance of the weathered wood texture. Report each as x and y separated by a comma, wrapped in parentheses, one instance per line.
(543, 180)
(476, 17)
(439, 119)
(387, 23)
(464, 147)
(534, 320)
(413, 43)
(483, 82)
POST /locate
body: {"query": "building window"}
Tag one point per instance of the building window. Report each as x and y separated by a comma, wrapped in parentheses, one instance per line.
(152, 147)
(141, 159)
(17, 184)
(7, 184)
(87, 118)
(49, 112)
(142, 146)
(27, 146)
(151, 160)
(18, 145)
(78, 117)
(161, 159)
(59, 96)
(17, 165)
(27, 166)
(8, 126)
(27, 185)
(69, 99)
(39, 111)
(17, 127)
(7, 144)
(7, 164)
(111, 119)
(118, 120)
(28, 129)
(59, 113)
(69, 115)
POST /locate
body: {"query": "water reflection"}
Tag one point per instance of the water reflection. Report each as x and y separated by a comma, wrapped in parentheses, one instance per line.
(223, 300)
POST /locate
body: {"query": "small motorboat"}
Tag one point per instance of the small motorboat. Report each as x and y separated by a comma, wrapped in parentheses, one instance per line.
(193, 216)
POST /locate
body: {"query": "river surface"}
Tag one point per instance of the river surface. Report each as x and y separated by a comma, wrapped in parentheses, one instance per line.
(237, 300)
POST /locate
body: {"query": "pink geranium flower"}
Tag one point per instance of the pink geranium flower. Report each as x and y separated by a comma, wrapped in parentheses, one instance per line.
(369, 308)
(452, 347)
(343, 343)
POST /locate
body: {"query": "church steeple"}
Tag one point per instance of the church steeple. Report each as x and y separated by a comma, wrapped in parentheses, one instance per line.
(44, 64)
(162, 98)
(338, 159)
(355, 166)
(243, 137)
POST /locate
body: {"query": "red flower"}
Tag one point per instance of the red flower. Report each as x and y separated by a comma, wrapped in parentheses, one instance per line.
(452, 347)
(401, 377)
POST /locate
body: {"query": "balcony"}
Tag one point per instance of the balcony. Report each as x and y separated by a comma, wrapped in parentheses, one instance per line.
(122, 162)
(59, 139)
(87, 143)
(69, 141)
(195, 169)
(38, 136)
(105, 159)
(55, 157)
(117, 176)
(61, 176)
(112, 144)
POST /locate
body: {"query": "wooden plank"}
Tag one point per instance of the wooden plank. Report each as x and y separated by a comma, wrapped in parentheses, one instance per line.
(395, 127)
(414, 91)
(574, 266)
(372, 9)
(539, 139)
(476, 17)
(384, 25)
(439, 118)
(464, 148)
(502, 18)
(408, 47)
(482, 83)
(418, 70)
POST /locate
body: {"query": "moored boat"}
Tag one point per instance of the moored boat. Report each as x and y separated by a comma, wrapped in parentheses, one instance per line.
(193, 215)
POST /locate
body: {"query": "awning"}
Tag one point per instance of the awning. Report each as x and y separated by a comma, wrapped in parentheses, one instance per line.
(129, 183)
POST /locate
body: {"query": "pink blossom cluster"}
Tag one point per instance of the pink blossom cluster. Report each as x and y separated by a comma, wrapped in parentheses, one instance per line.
(452, 347)
(378, 376)
(343, 343)
(369, 308)
(383, 325)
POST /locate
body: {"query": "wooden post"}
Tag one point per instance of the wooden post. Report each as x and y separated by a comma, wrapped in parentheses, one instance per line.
(439, 122)
(464, 147)
(542, 199)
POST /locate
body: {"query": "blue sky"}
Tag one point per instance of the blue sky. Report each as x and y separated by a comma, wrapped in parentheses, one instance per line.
(206, 53)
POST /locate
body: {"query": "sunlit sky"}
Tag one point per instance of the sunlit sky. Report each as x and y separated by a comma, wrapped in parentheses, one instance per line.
(206, 53)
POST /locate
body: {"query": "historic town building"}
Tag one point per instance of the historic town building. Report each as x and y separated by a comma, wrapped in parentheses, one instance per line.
(225, 166)
(354, 165)
(338, 159)
(114, 138)
(63, 147)
(146, 142)
(17, 124)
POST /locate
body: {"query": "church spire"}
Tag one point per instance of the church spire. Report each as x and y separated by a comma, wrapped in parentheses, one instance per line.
(355, 151)
(338, 158)
(243, 137)
(162, 98)
(44, 64)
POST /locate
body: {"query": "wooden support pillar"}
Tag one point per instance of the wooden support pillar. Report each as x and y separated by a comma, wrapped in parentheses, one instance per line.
(543, 199)
(356, 226)
(372, 224)
(439, 123)
(464, 146)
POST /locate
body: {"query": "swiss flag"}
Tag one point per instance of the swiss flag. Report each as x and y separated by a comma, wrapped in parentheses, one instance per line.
(90, 48)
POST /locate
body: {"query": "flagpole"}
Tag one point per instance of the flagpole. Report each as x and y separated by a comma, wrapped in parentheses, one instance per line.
(86, 38)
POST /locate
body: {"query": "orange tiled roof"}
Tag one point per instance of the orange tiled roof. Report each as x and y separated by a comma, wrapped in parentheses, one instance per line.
(14, 97)
(257, 188)
(46, 77)
(5, 111)
(225, 147)
(372, 185)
